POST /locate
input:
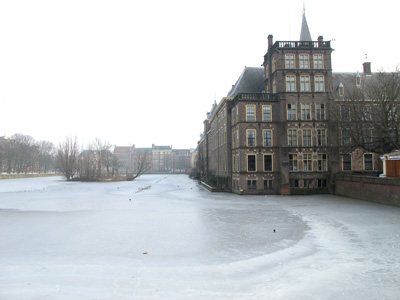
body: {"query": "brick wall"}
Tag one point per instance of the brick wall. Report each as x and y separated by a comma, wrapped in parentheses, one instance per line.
(374, 189)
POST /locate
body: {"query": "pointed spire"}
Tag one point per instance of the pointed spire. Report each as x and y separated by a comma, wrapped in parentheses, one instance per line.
(305, 35)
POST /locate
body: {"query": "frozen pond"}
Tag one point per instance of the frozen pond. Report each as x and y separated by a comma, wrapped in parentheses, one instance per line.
(165, 237)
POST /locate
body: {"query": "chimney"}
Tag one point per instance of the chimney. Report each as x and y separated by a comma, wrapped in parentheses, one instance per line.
(320, 41)
(367, 68)
(270, 40)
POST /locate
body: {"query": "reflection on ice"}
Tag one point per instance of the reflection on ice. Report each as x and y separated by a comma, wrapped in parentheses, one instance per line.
(70, 240)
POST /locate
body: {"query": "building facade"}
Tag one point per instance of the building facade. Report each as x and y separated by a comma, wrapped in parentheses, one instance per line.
(276, 132)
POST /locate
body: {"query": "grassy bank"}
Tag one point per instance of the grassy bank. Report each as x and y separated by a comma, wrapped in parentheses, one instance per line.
(16, 176)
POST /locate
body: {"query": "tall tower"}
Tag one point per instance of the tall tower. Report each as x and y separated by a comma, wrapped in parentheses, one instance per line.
(300, 74)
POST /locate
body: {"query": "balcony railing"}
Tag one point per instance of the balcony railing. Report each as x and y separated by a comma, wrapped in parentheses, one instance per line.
(302, 44)
(256, 97)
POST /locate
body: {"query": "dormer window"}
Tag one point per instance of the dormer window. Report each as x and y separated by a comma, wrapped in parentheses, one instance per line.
(341, 90)
(358, 80)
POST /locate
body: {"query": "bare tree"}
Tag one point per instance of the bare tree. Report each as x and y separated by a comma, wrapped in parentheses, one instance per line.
(45, 155)
(67, 157)
(142, 163)
(369, 116)
(115, 165)
(25, 153)
(101, 149)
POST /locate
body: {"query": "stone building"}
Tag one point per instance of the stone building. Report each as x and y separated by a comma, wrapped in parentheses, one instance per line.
(124, 154)
(275, 132)
(353, 159)
(181, 160)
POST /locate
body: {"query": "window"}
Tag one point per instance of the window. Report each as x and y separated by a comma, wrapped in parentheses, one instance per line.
(346, 160)
(319, 83)
(303, 59)
(268, 163)
(304, 83)
(292, 162)
(291, 112)
(251, 163)
(294, 183)
(307, 162)
(289, 61)
(251, 137)
(322, 183)
(251, 184)
(368, 163)
(320, 111)
(290, 83)
(308, 183)
(267, 112)
(307, 138)
(250, 112)
(346, 139)
(366, 113)
(321, 137)
(341, 90)
(267, 137)
(267, 184)
(358, 80)
(367, 136)
(318, 61)
(322, 162)
(344, 113)
(292, 137)
(306, 111)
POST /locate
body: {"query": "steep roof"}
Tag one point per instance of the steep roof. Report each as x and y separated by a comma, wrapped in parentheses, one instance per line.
(305, 35)
(154, 147)
(123, 149)
(250, 81)
(350, 81)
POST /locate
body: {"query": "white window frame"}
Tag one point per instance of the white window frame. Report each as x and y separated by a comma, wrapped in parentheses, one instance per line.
(248, 131)
(322, 162)
(318, 61)
(267, 112)
(265, 138)
(319, 83)
(304, 61)
(305, 83)
(290, 83)
(290, 62)
(272, 162)
(306, 111)
(307, 162)
(307, 137)
(292, 136)
(291, 111)
(249, 113)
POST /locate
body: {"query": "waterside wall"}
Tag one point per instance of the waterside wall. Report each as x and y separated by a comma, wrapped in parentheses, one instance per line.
(374, 189)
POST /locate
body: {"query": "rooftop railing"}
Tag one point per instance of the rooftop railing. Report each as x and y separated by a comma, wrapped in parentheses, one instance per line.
(256, 97)
(302, 44)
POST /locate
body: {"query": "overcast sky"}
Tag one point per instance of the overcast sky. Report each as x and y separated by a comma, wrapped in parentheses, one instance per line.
(147, 72)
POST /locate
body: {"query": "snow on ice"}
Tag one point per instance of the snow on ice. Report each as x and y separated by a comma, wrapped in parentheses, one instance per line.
(165, 237)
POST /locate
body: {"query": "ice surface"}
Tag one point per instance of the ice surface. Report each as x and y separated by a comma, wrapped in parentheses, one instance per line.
(165, 237)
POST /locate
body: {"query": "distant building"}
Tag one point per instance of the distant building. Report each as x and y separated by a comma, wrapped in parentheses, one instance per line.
(162, 159)
(124, 154)
(181, 160)
(158, 159)
(142, 156)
